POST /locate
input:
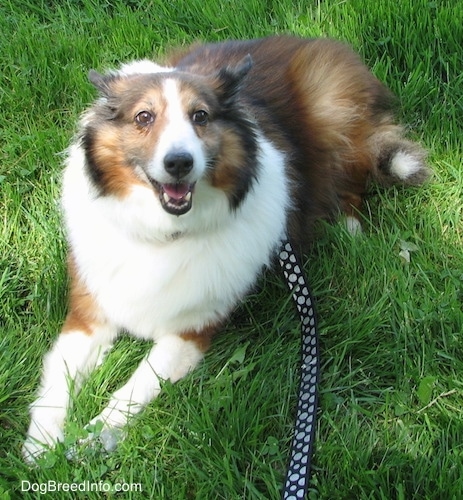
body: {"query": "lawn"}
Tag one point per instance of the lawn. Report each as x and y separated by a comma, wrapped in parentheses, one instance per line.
(390, 420)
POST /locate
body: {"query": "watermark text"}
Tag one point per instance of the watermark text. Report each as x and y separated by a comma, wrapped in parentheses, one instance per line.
(52, 486)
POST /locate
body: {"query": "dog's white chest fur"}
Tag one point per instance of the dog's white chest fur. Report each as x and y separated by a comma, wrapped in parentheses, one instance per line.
(153, 273)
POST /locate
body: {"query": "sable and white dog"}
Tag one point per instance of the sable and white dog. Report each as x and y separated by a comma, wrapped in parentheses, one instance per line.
(181, 183)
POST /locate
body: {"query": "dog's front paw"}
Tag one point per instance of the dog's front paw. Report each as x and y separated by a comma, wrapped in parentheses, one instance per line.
(32, 450)
(38, 443)
(45, 429)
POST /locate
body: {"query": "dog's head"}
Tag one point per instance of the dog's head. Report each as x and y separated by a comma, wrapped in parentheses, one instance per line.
(170, 130)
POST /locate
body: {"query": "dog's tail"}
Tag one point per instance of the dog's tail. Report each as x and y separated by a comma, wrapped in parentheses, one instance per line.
(398, 160)
(395, 160)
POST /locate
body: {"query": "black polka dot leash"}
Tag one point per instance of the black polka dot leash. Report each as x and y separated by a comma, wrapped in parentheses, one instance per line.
(299, 468)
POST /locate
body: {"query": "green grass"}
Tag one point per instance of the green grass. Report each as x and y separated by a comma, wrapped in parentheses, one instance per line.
(391, 417)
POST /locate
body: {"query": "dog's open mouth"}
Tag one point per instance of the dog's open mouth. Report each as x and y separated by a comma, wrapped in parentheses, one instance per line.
(176, 199)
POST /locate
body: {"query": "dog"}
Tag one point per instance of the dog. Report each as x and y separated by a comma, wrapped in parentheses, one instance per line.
(181, 183)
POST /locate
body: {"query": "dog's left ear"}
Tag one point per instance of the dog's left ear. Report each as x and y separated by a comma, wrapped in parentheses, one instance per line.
(101, 82)
(230, 78)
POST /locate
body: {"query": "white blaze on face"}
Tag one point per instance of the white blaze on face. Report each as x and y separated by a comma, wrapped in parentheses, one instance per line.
(178, 136)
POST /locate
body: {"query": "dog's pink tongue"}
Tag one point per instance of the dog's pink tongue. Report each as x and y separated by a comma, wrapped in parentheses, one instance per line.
(176, 191)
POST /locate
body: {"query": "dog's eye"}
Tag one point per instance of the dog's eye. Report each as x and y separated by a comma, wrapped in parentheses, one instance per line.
(144, 118)
(200, 117)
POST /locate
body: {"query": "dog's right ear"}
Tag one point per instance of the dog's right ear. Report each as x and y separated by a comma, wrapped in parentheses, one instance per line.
(101, 82)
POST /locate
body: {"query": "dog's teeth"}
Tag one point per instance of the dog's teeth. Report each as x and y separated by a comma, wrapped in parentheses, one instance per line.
(166, 197)
(188, 196)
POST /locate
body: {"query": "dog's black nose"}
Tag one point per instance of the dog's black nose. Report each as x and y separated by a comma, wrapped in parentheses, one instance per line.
(178, 163)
